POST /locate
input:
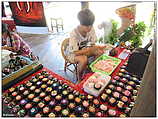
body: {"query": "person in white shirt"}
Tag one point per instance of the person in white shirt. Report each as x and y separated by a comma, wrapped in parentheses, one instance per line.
(82, 41)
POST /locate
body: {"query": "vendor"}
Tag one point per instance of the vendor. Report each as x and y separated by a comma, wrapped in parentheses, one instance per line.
(82, 41)
(13, 42)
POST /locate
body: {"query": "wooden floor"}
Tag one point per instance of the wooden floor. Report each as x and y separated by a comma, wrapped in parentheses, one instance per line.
(47, 47)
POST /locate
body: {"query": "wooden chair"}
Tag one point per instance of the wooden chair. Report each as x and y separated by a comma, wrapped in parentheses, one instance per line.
(68, 63)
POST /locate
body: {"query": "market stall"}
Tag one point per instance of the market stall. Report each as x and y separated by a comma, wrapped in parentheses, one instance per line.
(42, 93)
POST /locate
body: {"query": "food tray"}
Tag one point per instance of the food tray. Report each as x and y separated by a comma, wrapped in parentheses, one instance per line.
(92, 80)
(15, 72)
(22, 72)
(114, 60)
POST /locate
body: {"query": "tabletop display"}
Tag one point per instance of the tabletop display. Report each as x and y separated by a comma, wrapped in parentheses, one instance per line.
(46, 95)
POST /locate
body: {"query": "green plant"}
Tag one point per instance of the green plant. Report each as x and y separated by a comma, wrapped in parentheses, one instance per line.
(113, 38)
(134, 34)
(100, 40)
(152, 25)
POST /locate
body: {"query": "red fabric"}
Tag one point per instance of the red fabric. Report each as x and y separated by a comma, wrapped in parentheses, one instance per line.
(10, 23)
(71, 85)
(85, 77)
(79, 86)
(50, 72)
(28, 13)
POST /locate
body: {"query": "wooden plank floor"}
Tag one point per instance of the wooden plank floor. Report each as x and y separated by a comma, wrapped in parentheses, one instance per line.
(47, 47)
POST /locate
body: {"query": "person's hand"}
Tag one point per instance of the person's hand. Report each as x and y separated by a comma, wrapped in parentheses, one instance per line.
(13, 49)
(102, 47)
(8, 48)
(4, 48)
(100, 51)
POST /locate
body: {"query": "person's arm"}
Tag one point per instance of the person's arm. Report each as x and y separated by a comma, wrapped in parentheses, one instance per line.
(73, 44)
(16, 42)
(81, 52)
(7, 48)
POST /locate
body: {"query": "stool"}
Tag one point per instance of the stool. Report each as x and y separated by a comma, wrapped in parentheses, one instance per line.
(57, 23)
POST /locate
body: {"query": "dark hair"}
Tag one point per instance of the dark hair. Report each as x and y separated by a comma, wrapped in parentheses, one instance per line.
(5, 29)
(86, 17)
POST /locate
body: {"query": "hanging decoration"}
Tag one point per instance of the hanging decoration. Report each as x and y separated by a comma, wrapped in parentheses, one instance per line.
(28, 13)
(127, 12)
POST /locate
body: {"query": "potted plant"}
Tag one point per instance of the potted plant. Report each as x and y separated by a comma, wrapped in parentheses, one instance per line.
(113, 37)
(134, 34)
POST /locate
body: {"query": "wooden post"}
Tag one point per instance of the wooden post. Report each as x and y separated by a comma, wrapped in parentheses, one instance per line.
(145, 105)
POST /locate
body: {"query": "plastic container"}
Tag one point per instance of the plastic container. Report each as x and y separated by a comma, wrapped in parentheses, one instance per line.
(96, 78)
(115, 62)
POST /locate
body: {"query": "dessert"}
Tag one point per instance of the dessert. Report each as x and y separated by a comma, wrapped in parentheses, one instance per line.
(103, 107)
(21, 113)
(124, 99)
(32, 88)
(98, 86)
(33, 111)
(70, 97)
(78, 100)
(120, 104)
(46, 110)
(41, 105)
(112, 87)
(112, 112)
(51, 115)
(104, 97)
(42, 94)
(64, 102)
(65, 112)
(53, 93)
(119, 89)
(116, 95)
(127, 93)
(28, 106)
(31, 96)
(52, 103)
(85, 103)
(112, 101)
(99, 114)
(117, 78)
(96, 103)
(18, 97)
(108, 91)
(85, 115)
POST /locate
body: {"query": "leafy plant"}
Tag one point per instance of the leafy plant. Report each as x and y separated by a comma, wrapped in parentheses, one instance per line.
(134, 34)
(152, 25)
(100, 40)
(113, 38)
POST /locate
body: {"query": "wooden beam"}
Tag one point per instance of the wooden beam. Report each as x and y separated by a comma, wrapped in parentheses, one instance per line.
(145, 105)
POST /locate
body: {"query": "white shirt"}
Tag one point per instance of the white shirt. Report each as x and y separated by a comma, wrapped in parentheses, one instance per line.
(77, 40)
